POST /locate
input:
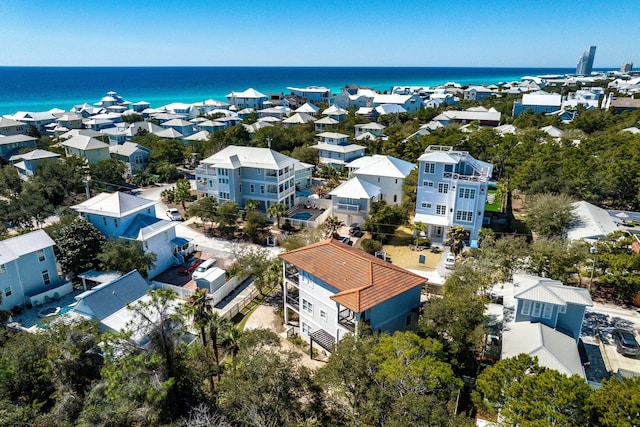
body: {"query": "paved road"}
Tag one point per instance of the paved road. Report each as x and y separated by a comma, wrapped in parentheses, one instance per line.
(213, 245)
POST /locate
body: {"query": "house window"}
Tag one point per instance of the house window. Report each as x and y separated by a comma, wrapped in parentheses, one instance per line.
(306, 329)
(252, 188)
(3, 269)
(430, 168)
(441, 209)
(262, 189)
(467, 193)
(464, 216)
(115, 222)
(41, 255)
(526, 307)
(562, 309)
(45, 277)
(210, 183)
(307, 306)
(7, 291)
(259, 171)
(537, 309)
(426, 205)
(323, 314)
(104, 220)
(395, 198)
(443, 188)
(407, 320)
(427, 183)
(548, 310)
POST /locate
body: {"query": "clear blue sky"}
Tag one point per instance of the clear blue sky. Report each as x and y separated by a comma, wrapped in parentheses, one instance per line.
(323, 32)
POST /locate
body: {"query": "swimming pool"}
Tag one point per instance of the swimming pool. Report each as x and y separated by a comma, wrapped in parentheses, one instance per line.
(302, 215)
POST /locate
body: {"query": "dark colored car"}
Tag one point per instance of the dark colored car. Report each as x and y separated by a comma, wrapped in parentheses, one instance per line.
(190, 265)
(346, 240)
(355, 230)
(626, 343)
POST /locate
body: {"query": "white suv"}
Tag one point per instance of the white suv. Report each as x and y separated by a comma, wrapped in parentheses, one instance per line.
(174, 214)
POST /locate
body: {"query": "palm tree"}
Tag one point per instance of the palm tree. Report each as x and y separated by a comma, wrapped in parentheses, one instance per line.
(200, 309)
(252, 205)
(332, 225)
(230, 340)
(419, 228)
(277, 210)
(217, 325)
(455, 238)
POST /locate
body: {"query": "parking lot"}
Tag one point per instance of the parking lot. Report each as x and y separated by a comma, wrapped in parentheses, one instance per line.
(600, 320)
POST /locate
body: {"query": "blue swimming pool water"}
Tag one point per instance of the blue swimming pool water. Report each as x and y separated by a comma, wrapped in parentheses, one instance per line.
(303, 193)
(302, 215)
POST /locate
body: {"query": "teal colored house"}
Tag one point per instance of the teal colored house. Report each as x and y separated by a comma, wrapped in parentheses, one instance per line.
(332, 287)
(124, 216)
(28, 271)
(541, 300)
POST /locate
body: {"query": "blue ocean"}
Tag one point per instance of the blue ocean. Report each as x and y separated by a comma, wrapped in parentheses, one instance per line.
(44, 88)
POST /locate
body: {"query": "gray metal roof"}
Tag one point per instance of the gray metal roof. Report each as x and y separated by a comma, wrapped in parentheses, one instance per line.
(541, 289)
(553, 349)
(104, 300)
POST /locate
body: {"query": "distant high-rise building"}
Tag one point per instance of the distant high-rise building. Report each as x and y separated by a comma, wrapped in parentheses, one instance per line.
(585, 64)
(626, 67)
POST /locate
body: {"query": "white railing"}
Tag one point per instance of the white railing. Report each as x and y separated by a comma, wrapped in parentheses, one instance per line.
(347, 207)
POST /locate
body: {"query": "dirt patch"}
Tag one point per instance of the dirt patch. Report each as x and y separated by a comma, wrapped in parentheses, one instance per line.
(404, 257)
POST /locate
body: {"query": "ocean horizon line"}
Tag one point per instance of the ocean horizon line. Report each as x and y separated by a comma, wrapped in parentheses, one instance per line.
(486, 67)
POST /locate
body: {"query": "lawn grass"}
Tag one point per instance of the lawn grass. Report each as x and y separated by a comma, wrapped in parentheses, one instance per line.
(497, 203)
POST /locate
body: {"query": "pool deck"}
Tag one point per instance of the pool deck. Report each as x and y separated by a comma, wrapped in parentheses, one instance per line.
(315, 213)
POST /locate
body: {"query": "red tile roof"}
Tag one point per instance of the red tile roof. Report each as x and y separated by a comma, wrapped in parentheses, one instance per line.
(363, 281)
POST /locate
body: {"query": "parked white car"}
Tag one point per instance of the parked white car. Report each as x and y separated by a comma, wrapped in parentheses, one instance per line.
(174, 214)
(450, 260)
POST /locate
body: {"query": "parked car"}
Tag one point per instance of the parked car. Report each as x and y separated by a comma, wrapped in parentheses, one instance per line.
(450, 260)
(174, 214)
(355, 230)
(346, 240)
(190, 265)
(626, 343)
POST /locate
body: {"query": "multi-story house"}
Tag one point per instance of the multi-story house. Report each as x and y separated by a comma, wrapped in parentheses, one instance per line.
(11, 145)
(370, 131)
(248, 173)
(123, 216)
(386, 172)
(12, 127)
(539, 102)
(477, 93)
(135, 156)
(332, 287)
(335, 151)
(86, 147)
(28, 271)
(452, 191)
(27, 163)
(250, 98)
(351, 200)
(312, 93)
(543, 318)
